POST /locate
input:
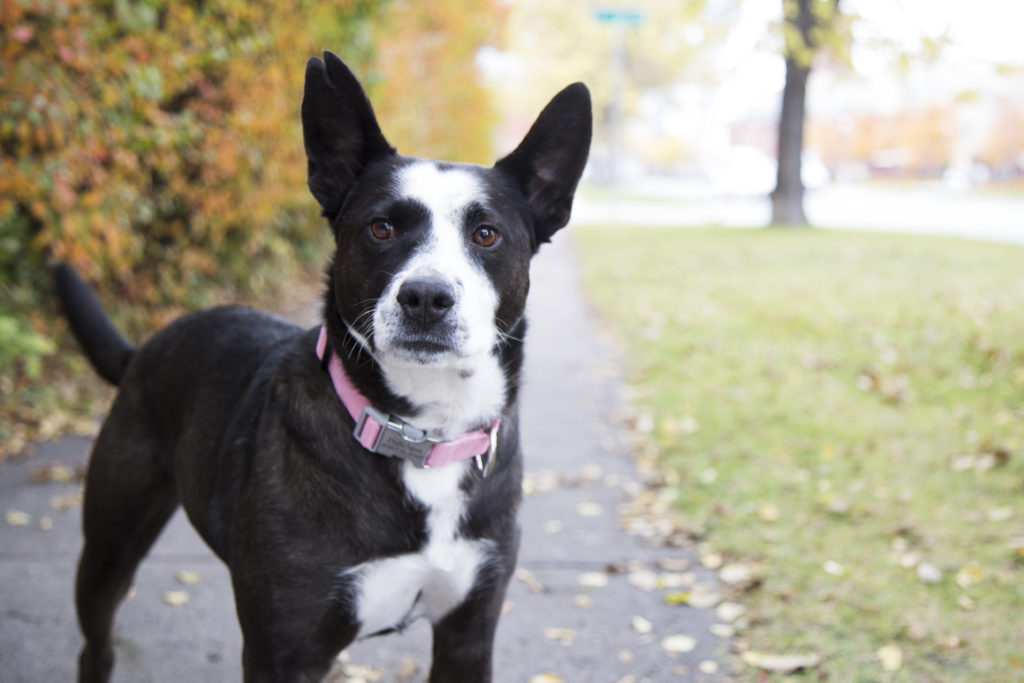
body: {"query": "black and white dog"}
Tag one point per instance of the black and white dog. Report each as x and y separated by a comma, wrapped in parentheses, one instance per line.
(360, 475)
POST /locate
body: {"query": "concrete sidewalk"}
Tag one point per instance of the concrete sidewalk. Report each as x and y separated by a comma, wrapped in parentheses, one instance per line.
(570, 612)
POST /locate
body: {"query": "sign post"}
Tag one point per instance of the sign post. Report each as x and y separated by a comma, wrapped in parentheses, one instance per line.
(620, 19)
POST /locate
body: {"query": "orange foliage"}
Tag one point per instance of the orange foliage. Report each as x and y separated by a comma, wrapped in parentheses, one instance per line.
(157, 145)
(427, 91)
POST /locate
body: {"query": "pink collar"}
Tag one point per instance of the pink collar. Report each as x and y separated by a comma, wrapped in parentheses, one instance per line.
(386, 434)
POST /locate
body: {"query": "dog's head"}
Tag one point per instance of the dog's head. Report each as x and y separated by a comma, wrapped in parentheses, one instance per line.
(432, 263)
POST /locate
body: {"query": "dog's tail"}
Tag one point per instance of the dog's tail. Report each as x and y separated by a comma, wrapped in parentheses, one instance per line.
(106, 349)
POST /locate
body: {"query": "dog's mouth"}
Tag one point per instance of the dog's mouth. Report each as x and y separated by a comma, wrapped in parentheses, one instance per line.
(425, 347)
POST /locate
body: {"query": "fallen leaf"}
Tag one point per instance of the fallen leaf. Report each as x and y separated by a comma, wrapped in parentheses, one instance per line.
(553, 526)
(676, 579)
(783, 664)
(408, 670)
(67, 501)
(674, 564)
(833, 568)
(590, 509)
(769, 512)
(703, 596)
(644, 579)
(722, 630)
(625, 656)
(546, 678)
(891, 657)
(929, 573)
(642, 626)
(506, 606)
(45, 523)
(361, 672)
(582, 601)
(593, 579)
(736, 574)
(18, 518)
(176, 598)
(563, 635)
(708, 666)
(187, 577)
(527, 577)
(56, 472)
(677, 598)
(969, 575)
(1000, 514)
(591, 472)
(730, 611)
(711, 560)
(678, 643)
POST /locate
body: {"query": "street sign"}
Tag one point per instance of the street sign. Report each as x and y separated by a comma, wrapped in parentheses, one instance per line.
(630, 17)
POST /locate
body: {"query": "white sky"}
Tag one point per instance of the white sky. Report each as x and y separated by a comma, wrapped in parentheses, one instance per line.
(980, 32)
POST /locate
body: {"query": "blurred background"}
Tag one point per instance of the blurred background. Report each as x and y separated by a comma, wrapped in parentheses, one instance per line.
(849, 379)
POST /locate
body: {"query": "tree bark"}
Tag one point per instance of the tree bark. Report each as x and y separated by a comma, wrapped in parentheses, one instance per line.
(788, 196)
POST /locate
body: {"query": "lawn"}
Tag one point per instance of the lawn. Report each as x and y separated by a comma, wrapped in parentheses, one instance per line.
(844, 414)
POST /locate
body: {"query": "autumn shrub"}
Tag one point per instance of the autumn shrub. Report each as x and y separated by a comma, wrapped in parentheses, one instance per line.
(156, 144)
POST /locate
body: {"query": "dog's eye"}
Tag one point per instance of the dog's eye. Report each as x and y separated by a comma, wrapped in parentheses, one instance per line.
(382, 230)
(485, 236)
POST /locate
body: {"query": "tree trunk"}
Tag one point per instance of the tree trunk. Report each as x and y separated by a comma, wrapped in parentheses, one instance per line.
(788, 196)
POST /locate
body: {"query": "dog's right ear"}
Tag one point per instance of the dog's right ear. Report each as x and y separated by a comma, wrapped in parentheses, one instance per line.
(339, 129)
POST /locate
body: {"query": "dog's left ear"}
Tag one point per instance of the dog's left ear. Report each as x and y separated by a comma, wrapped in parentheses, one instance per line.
(340, 131)
(548, 163)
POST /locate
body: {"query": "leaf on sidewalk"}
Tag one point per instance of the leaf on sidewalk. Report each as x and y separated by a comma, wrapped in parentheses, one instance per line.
(546, 678)
(679, 643)
(18, 518)
(563, 635)
(187, 577)
(176, 598)
(593, 579)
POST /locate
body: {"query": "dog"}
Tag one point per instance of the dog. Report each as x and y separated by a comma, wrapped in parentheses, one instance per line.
(363, 474)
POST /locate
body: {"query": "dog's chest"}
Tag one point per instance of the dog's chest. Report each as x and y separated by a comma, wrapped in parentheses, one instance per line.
(394, 591)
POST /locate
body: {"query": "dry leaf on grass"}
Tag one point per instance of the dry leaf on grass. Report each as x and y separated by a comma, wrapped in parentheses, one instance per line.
(783, 664)
(891, 657)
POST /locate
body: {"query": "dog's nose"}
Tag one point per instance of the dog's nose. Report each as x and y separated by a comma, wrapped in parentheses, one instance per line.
(426, 299)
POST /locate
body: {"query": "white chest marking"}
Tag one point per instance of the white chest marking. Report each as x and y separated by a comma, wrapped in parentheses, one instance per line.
(394, 591)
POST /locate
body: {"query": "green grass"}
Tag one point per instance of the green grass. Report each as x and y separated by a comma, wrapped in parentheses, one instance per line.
(839, 380)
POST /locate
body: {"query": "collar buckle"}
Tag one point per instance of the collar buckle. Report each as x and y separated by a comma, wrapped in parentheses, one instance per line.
(395, 438)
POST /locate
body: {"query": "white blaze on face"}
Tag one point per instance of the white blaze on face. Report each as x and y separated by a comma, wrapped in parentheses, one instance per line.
(444, 253)
(463, 389)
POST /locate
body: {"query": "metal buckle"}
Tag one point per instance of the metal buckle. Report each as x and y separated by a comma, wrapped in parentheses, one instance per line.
(487, 466)
(396, 439)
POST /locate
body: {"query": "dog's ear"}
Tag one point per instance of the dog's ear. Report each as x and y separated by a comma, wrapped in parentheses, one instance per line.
(339, 129)
(548, 163)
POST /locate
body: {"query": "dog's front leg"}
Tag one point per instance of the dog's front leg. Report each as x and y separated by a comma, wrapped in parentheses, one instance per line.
(464, 639)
